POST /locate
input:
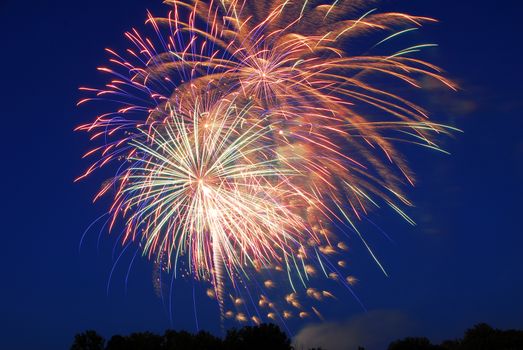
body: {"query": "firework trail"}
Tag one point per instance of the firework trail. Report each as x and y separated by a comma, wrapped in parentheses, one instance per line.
(245, 128)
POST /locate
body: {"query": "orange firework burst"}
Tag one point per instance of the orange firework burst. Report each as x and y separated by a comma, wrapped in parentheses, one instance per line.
(247, 127)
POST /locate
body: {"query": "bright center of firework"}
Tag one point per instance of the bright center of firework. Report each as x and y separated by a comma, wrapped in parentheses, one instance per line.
(204, 188)
(265, 72)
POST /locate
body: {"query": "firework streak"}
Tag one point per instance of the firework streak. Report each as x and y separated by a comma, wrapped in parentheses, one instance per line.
(245, 129)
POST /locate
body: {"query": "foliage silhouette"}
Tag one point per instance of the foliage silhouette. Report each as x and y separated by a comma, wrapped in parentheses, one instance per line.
(271, 337)
(174, 340)
(265, 336)
(89, 340)
(480, 337)
(117, 342)
(411, 343)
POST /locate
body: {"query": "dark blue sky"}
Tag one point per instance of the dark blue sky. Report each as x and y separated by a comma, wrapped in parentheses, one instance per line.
(460, 265)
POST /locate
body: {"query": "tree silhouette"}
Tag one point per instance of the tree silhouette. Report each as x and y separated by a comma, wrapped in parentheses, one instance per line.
(89, 340)
(117, 342)
(479, 337)
(173, 340)
(265, 336)
(145, 340)
(451, 344)
(271, 337)
(484, 337)
(412, 343)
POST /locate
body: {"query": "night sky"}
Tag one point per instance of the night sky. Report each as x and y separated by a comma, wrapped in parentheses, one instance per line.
(459, 266)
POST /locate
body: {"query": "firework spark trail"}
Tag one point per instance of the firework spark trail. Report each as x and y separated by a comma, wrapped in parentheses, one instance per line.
(247, 126)
(305, 79)
(208, 190)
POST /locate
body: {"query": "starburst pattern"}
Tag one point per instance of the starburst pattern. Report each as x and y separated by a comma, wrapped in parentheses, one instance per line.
(247, 127)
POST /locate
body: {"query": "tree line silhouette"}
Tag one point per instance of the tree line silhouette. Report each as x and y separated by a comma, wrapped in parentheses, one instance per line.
(271, 337)
(480, 337)
(262, 337)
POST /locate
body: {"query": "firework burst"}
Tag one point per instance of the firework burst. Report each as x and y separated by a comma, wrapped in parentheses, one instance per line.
(246, 127)
(209, 188)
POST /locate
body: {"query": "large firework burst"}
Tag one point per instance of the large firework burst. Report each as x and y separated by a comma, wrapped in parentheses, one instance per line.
(246, 127)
